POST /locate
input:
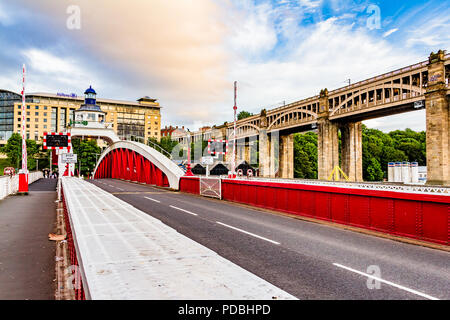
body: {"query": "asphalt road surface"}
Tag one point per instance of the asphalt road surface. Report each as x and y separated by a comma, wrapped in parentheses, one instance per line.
(308, 260)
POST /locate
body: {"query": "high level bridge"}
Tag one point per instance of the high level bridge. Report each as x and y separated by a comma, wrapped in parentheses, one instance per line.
(423, 85)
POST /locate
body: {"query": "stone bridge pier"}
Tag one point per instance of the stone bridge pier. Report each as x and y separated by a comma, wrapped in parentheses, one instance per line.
(437, 122)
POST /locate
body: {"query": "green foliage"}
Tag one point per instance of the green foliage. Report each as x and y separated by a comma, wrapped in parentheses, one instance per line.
(373, 170)
(165, 143)
(244, 114)
(203, 146)
(379, 149)
(13, 150)
(305, 155)
(3, 164)
(88, 152)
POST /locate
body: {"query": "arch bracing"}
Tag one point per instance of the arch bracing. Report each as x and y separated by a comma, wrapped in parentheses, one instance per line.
(133, 161)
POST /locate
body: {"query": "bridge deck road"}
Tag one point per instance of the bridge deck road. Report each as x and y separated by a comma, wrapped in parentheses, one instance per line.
(308, 260)
(27, 257)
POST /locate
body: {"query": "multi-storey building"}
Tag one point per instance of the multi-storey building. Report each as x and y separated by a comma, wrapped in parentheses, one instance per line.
(47, 112)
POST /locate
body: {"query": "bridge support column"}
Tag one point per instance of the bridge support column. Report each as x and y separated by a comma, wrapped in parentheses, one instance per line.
(264, 154)
(286, 170)
(327, 139)
(274, 154)
(247, 152)
(438, 119)
(351, 135)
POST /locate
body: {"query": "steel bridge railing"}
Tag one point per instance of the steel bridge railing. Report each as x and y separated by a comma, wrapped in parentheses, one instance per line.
(418, 189)
(159, 149)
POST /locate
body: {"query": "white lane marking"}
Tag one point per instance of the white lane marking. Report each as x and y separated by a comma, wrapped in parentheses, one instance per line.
(246, 232)
(120, 189)
(387, 282)
(194, 214)
(111, 186)
(152, 199)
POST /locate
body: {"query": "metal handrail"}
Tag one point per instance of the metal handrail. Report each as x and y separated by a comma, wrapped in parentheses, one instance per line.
(408, 188)
(161, 150)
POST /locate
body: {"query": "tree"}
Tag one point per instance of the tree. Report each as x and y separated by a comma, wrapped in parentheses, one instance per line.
(87, 150)
(165, 143)
(244, 114)
(373, 171)
(13, 150)
(305, 155)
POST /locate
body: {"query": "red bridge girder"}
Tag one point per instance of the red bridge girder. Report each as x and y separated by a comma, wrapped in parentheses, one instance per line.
(129, 165)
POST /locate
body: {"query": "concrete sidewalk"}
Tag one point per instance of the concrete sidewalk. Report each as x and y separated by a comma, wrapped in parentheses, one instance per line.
(27, 257)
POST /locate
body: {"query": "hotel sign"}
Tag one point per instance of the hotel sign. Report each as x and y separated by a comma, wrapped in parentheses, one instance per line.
(72, 95)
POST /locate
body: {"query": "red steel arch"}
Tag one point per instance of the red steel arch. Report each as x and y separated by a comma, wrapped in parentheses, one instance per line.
(129, 165)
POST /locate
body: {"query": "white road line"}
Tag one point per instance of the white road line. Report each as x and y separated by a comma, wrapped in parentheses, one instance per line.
(120, 189)
(387, 282)
(152, 199)
(194, 214)
(246, 232)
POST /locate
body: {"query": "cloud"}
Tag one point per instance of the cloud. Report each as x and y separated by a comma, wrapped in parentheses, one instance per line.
(188, 53)
(388, 33)
(325, 55)
(171, 49)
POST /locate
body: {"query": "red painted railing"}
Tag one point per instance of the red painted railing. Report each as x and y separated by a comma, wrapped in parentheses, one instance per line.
(79, 291)
(128, 165)
(190, 185)
(419, 216)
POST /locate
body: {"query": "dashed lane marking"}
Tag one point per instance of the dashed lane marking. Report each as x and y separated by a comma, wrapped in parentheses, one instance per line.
(387, 282)
(249, 233)
(194, 214)
(154, 200)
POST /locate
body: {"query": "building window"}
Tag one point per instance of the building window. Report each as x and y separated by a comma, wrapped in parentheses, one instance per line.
(28, 126)
(36, 113)
(18, 126)
(45, 120)
(36, 120)
(19, 113)
(62, 118)
(18, 119)
(45, 114)
(45, 126)
(37, 107)
(45, 108)
(54, 119)
(28, 113)
(28, 119)
(28, 107)
(36, 126)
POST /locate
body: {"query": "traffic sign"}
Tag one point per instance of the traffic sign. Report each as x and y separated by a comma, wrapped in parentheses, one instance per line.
(69, 158)
(207, 160)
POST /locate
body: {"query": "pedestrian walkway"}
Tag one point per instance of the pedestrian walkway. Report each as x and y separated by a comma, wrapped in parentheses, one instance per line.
(27, 257)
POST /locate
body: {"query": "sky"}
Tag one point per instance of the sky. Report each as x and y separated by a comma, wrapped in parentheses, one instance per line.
(188, 53)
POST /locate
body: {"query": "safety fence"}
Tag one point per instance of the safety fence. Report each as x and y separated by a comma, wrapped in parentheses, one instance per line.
(10, 185)
(414, 215)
